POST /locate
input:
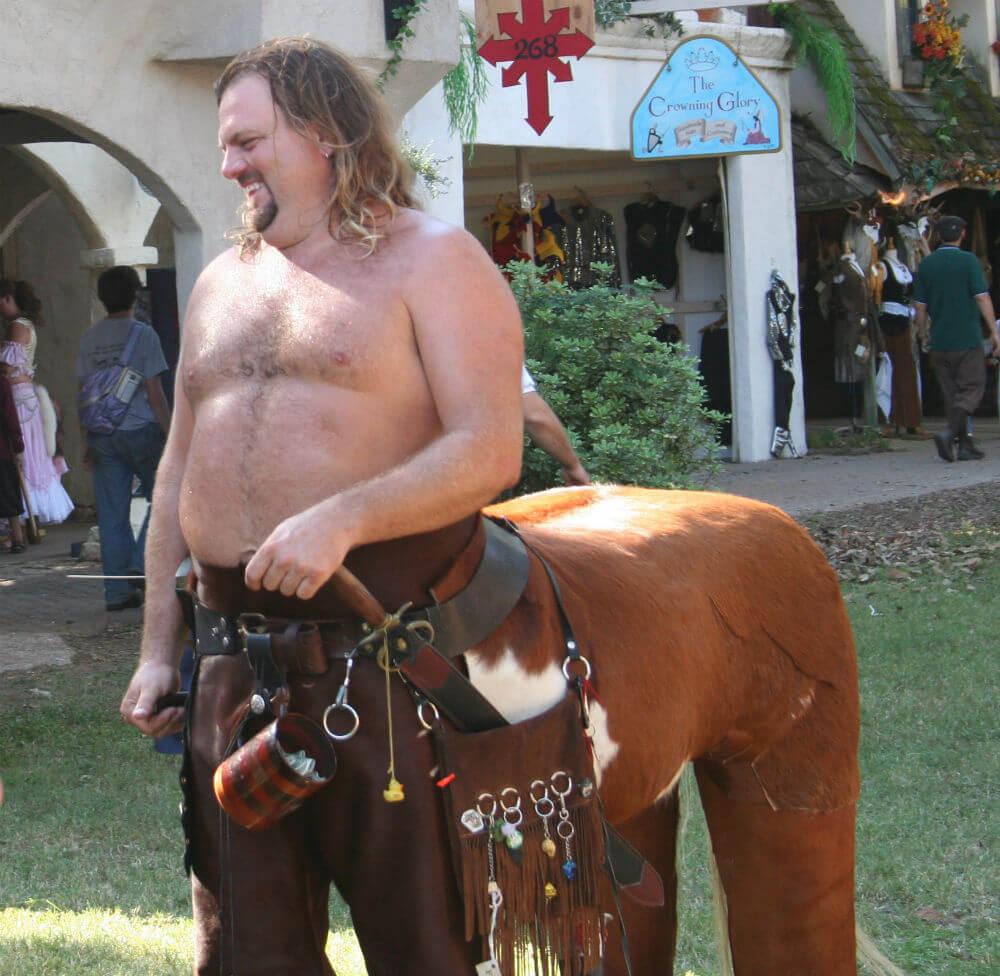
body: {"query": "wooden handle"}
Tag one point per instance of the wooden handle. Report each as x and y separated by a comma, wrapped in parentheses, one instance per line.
(358, 597)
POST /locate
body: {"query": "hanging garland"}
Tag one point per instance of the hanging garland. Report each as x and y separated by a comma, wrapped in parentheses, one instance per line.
(398, 31)
(610, 12)
(466, 87)
(821, 47)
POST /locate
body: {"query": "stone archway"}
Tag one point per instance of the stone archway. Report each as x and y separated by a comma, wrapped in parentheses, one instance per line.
(70, 209)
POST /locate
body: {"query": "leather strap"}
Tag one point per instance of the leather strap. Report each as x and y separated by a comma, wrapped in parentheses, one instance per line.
(488, 599)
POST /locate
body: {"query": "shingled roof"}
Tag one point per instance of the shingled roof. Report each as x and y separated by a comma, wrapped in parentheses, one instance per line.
(823, 178)
(912, 140)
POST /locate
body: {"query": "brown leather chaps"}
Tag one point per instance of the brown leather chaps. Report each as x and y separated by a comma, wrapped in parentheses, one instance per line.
(261, 898)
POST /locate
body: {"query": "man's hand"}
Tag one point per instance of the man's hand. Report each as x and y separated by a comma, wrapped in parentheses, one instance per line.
(301, 554)
(150, 682)
(575, 475)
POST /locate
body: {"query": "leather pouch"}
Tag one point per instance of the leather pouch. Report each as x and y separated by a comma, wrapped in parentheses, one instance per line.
(521, 806)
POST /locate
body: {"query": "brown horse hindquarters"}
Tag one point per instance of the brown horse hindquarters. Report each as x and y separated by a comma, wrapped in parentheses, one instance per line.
(717, 633)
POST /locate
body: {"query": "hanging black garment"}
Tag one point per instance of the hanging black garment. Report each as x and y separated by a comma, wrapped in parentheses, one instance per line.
(714, 369)
(784, 387)
(651, 229)
(550, 216)
(707, 230)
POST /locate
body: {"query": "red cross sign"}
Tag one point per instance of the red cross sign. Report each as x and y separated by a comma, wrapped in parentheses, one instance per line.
(534, 48)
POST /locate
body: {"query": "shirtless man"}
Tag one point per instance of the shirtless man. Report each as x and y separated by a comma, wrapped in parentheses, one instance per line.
(349, 375)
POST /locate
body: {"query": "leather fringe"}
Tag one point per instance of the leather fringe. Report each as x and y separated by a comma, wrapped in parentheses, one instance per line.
(535, 934)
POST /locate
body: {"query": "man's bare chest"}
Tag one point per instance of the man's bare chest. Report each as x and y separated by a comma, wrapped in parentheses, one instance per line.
(327, 333)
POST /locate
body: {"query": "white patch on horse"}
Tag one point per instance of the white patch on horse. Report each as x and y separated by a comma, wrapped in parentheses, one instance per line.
(605, 748)
(515, 693)
(671, 786)
(519, 695)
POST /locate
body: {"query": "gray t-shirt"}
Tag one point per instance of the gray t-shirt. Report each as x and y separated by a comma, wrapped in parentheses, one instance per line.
(101, 346)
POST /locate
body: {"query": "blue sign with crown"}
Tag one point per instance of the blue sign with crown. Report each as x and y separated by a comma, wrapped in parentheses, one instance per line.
(705, 102)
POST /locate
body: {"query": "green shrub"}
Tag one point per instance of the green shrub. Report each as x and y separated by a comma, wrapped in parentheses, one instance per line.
(633, 407)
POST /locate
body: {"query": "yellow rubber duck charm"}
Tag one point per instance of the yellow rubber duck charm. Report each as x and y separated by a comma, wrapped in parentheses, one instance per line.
(393, 793)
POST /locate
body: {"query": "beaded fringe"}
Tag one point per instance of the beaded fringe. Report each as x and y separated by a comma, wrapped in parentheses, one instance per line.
(535, 934)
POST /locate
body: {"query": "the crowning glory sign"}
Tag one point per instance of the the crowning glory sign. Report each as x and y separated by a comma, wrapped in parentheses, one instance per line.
(705, 102)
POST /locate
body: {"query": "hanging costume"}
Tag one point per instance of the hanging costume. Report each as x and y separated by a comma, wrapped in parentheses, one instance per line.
(589, 236)
(895, 321)
(652, 226)
(854, 340)
(781, 345)
(707, 227)
(713, 365)
(506, 227)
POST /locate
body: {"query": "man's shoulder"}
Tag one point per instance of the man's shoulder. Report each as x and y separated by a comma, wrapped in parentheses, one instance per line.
(428, 243)
(222, 273)
(418, 229)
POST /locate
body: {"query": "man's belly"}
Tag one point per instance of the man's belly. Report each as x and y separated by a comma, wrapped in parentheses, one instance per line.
(250, 467)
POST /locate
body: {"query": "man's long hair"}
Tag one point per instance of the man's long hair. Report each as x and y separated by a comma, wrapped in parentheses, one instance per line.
(322, 93)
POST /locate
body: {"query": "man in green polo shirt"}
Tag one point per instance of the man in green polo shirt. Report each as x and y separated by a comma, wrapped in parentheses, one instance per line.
(951, 289)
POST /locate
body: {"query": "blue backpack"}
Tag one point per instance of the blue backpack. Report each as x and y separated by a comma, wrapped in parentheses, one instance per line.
(105, 394)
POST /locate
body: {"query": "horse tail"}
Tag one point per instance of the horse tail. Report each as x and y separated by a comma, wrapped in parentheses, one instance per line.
(869, 954)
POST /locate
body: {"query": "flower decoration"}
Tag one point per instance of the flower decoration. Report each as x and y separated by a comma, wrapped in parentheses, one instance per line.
(938, 36)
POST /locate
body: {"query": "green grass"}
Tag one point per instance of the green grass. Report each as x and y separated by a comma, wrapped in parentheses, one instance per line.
(90, 875)
(832, 440)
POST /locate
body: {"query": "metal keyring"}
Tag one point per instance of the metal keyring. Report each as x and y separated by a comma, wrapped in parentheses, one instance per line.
(570, 829)
(545, 807)
(341, 707)
(512, 806)
(420, 713)
(513, 816)
(493, 809)
(567, 661)
(569, 783)
(545, 790)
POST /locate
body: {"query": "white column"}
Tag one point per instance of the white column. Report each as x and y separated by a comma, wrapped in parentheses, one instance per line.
(761, 236)
(426, 126)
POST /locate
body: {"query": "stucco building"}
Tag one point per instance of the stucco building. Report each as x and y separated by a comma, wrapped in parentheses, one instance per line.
(108, 154)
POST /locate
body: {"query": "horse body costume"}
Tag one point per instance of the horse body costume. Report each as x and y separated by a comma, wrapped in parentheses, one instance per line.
(716, 634)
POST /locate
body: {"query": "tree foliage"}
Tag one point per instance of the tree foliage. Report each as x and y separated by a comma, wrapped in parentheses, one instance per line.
(633, 407)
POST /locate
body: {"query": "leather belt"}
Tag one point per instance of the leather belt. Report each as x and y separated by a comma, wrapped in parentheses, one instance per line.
(306, 646)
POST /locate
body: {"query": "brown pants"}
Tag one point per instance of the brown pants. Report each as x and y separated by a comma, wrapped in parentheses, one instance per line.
(961, 374)
(261, 898)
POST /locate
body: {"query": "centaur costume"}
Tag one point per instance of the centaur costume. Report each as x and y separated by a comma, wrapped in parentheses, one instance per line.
(667, 623)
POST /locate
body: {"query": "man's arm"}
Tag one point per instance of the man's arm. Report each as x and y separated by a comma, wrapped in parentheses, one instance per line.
(163, 626)
(158, 402)
(468, 336)
(985, 304)
(547, 431)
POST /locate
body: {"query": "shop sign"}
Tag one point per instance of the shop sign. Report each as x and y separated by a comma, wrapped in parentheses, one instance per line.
(705, 102)
(535, 46)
